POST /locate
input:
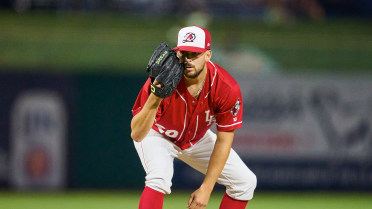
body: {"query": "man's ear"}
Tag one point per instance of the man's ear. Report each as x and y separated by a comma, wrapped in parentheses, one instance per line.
(208, 55)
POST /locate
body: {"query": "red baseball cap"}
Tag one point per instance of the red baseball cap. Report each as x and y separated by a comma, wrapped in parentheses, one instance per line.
(193, 39)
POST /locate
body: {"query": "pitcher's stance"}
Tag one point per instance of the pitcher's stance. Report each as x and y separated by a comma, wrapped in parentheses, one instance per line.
(184, 95)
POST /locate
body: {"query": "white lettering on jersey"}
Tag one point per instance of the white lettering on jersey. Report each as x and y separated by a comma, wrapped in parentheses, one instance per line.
(169, 133)
(161, 128)
(172, 133)
(209, 119)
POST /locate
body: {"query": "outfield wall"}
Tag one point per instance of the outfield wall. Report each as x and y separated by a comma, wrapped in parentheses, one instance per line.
(73, 131)
(99, 152)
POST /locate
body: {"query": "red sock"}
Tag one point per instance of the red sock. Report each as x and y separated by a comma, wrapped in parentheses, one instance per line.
(151, 199)
(230, 203)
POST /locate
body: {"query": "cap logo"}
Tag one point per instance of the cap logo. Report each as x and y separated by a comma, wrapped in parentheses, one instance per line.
(189, 37)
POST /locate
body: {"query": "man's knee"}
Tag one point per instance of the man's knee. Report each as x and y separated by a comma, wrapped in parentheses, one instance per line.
(244, 190)
(252, 182)
(160, 182)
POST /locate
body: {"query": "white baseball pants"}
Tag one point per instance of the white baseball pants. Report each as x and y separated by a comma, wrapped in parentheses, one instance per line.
(157, 155)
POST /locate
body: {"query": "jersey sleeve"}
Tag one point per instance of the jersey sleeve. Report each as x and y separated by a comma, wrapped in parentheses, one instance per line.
(229, 113)
(142, 97)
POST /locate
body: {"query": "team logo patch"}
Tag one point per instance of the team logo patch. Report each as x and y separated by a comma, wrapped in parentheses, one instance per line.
(189, 37)
(234, 111)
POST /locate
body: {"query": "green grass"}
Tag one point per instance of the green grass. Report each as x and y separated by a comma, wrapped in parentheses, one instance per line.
(115, 42)
(178, 199)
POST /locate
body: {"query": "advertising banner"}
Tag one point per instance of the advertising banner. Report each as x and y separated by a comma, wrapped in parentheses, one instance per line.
(38, 140)
(34, 120)
(308, 131)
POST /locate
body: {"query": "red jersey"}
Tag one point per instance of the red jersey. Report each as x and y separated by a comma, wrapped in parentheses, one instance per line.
(185, 119)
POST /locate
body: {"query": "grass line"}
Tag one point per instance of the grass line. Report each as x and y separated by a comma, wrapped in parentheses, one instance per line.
(178, 199)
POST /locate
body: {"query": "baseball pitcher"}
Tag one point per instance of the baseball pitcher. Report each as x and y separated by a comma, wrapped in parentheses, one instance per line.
(185, 94)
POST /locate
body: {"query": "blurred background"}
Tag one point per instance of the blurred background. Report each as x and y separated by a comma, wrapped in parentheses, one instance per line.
(70, 71)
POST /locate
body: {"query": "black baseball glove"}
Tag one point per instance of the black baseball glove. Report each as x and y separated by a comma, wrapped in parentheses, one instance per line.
(164, 67)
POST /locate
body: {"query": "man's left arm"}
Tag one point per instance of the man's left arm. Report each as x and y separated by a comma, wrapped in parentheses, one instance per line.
(221, 151)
